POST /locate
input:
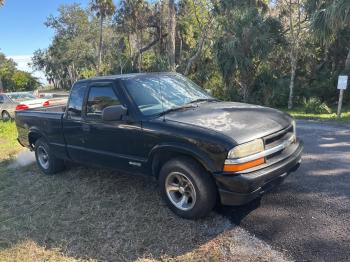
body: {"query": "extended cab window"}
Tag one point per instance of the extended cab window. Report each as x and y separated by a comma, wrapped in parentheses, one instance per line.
(100, 98)
(76, 99)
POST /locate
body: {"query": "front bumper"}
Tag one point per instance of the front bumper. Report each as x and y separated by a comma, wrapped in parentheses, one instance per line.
(241, 188)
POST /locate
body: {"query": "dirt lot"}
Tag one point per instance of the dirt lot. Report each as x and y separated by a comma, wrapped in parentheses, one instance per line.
(86, 213)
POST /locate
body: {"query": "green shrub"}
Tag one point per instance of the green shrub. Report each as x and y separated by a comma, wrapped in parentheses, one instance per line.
(315, 105)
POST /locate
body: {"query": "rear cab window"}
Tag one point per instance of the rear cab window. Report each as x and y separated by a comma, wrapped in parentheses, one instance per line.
(99, 98)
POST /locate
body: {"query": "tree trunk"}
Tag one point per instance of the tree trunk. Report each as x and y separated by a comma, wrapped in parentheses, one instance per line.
(293, 65)
(245, 92)
(196, 55)
(292, 54)
(1, 86)
(179, 61)
(244, 84)
(100, 47)
(172, 31)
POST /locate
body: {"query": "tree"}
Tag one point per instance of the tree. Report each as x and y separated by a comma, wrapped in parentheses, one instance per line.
(249, 35)
(103, 8)
(2, 2)
(7, 68)
(171, 35)
(144, 32)
(23, 81)
(259, 51)
(293, 17)
(195, 23)
(73, 49)
(12, 79)
(328, 18)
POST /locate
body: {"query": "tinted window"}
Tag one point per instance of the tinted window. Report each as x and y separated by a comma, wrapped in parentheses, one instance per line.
(76, 101)
(100, 98)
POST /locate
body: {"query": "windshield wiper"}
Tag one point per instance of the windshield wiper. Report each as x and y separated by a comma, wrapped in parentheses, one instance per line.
(178, 108)
(203, 100)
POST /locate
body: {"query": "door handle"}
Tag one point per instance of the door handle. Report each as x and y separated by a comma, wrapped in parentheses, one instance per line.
(86, 128)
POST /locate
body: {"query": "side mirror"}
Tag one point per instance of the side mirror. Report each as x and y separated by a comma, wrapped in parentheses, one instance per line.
(114, 113)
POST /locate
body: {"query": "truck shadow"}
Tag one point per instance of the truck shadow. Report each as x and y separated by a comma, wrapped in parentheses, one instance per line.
(237, 213)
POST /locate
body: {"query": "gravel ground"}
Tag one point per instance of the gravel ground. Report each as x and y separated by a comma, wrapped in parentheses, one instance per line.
(308, 216)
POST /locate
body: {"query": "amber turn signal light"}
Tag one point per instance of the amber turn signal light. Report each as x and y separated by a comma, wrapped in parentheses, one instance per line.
(243, 166)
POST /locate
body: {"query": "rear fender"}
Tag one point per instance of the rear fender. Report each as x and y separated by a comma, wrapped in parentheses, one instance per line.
(33, 135)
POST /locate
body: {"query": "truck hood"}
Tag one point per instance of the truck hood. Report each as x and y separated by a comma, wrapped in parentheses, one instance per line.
(241, 122)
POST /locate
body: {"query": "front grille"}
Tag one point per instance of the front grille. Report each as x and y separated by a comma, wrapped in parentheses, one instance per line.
(277, 139)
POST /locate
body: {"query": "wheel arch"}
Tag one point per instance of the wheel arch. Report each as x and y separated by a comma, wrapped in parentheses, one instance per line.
(33, 135)
(3, 111)
(163, 153)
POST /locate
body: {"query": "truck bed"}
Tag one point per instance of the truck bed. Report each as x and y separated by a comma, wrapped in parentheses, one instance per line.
(47, 120)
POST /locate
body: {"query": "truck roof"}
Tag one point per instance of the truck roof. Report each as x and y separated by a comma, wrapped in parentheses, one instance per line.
(125, 76)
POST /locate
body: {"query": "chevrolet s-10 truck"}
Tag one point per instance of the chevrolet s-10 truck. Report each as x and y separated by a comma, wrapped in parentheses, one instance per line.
(202, 151)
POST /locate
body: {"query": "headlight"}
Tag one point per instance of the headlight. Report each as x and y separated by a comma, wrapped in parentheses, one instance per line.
(246, 149)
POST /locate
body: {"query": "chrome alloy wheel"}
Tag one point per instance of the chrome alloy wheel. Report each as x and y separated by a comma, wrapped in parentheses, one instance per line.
(43, 157)
(180, 191)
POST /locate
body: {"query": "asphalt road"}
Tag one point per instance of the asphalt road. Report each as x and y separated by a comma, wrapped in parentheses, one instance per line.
(308, 216)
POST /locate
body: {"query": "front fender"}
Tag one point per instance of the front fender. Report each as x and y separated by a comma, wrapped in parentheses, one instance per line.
(183, 149)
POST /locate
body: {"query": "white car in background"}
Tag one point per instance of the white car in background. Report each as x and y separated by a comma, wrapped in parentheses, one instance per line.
(11, 102)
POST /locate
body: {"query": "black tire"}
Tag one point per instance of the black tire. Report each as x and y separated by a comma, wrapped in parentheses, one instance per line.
(52, 165)
(201, 182)
(5, 116)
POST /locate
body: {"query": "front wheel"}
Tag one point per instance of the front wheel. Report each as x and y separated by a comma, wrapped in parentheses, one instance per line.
(187, 188)
(46, 160)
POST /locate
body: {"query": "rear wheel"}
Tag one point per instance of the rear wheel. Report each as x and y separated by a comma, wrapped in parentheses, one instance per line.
(5, 116)
(187, 188)
(46, 161)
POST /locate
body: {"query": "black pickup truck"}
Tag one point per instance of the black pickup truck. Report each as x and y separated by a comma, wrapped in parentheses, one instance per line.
(202, 151)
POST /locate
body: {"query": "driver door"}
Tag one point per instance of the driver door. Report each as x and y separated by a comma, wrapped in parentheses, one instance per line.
(110, 143)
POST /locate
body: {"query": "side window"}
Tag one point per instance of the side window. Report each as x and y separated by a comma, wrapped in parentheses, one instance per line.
(76, 99)
(1, 99)
(100, 98)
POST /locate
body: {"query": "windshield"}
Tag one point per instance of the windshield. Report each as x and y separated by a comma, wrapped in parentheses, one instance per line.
(21, 96)
(175, 91)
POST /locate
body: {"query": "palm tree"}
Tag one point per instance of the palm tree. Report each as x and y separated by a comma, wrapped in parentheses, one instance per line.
(249, 36)
(103, 8)
(329, 18)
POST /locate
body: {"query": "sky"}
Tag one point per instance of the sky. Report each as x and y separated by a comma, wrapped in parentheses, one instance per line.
(22, 29)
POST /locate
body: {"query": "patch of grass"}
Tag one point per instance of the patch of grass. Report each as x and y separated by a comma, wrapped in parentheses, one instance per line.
(299, 113)
(90, 214)
(30, 251)
(9, 146)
